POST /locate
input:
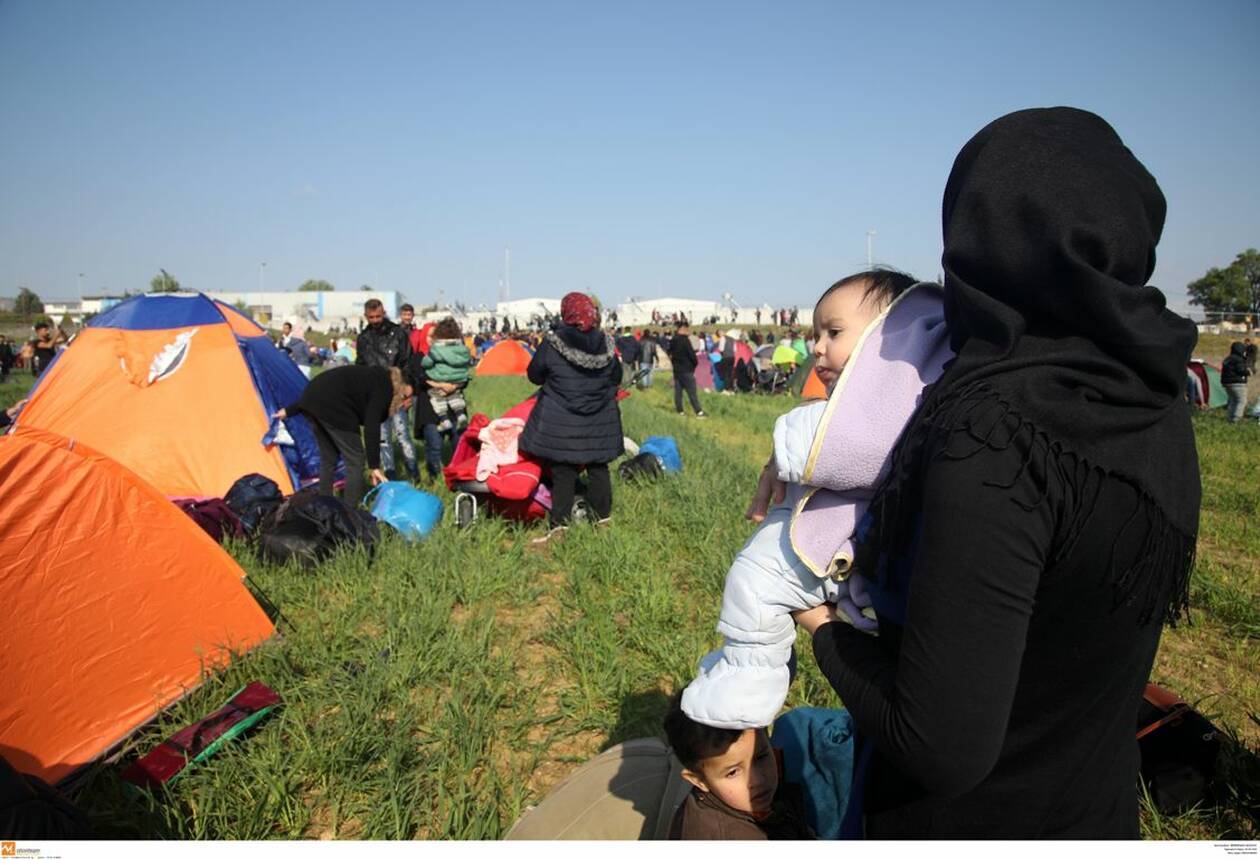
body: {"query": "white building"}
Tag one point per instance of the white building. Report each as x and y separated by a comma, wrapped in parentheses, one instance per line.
(633, 312)
(78, 309)
(322, 311)
(639, 312)
(520, 311)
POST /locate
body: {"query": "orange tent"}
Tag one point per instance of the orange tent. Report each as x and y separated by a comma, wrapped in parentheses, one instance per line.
(505, 358)
(813, 387)
(180, 389)
(115, 603)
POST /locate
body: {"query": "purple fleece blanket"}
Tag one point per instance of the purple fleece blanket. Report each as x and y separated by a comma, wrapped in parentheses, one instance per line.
(879, 389)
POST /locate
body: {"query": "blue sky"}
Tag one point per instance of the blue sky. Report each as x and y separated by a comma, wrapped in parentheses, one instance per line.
(676, 148)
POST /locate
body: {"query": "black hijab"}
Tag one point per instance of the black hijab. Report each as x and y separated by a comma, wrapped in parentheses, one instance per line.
(1050, 227)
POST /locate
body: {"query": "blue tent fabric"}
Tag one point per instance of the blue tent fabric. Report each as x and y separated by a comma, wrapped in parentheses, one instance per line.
(279, 382)
(818, 754)
(156, 312)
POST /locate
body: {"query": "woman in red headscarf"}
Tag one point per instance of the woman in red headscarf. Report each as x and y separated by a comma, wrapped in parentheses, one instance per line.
(576, 423)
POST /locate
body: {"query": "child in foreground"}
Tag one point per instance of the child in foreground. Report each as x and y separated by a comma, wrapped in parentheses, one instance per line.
(879, 342)
(737, 792)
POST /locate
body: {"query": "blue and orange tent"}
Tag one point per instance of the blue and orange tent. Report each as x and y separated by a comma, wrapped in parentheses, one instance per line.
(179, 389)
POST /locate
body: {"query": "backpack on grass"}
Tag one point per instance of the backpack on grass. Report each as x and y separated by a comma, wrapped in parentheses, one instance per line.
(213, 516)
(252, 498)
(644, 466)
(308, 527)
(1178, 747)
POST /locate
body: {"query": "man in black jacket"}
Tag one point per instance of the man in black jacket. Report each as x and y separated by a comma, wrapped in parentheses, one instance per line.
(384, 343)
(683, 357)
(630, 353)
(7, 354)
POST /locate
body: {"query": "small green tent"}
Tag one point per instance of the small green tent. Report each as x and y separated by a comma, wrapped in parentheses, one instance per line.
(1210, 381)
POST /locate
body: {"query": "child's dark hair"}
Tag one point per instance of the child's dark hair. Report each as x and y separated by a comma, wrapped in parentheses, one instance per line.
(691, 741)
(447, 329)
(884, 284)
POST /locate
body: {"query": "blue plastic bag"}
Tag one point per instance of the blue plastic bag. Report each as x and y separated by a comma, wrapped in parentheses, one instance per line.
(664, 448)
(409, 511)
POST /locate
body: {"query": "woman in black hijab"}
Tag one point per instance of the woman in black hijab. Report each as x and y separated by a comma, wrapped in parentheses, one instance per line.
(1039, 520)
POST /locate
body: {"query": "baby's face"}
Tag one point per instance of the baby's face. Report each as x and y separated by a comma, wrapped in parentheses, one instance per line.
(839, 321)
(746, 775)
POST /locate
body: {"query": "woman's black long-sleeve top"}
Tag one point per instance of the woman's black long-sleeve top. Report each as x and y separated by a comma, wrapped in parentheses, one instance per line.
(1003, 701)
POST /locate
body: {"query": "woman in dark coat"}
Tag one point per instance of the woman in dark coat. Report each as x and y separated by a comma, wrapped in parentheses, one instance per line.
(346, 407)
(1039, 519)
(577, 421)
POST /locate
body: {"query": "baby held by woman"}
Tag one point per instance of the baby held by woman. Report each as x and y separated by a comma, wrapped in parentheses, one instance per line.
(880, 339)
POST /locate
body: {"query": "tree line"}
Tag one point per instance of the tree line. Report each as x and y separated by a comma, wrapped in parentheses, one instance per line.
(28, 303)
(1233, 290)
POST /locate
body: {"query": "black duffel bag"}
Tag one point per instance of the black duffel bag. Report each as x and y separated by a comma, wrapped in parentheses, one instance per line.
(307, 527)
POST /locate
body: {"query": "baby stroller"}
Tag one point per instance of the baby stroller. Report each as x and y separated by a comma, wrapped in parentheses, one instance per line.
(770, 378)
(491, 475)
(773, 380)
(503, 480)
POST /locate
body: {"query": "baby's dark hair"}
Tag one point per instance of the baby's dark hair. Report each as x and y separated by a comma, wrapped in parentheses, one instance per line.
(692, 741)
(447, 329)
(884, 284)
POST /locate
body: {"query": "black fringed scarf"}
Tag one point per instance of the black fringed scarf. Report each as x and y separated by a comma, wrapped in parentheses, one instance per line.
(1050, 227)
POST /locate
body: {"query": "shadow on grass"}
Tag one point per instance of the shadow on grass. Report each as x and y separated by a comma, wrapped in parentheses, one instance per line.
(641, 714)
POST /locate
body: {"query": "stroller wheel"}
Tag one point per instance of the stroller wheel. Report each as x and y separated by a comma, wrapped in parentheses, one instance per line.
(465, 510)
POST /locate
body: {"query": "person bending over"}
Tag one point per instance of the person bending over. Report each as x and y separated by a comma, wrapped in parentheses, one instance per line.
(346, 407)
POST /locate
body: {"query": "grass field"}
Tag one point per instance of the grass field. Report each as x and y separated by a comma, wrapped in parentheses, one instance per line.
(440, 689)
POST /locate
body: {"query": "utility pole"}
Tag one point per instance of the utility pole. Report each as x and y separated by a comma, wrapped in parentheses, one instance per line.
(870, 257)
(80, 287)
(507, 274)
(262, 271)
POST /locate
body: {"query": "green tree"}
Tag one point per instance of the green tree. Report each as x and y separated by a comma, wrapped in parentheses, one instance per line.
(1248, 265)
(365, 288)
(1233, 289)
(316, 286)
(27, 303)
(163, 282)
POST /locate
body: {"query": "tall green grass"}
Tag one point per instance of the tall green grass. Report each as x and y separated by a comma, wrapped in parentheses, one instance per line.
(438, 689)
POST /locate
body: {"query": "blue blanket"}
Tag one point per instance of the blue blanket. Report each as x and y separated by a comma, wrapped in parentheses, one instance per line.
(818, 752)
